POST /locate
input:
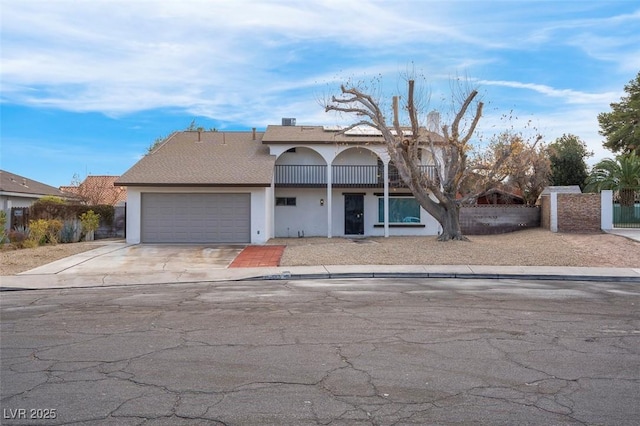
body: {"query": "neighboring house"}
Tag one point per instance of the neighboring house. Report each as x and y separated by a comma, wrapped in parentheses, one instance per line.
(497, 196)
(19, 191)
(96, 190)
(289, 181)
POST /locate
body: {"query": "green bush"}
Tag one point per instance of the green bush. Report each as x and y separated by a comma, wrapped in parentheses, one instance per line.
(54, 226)
(90, 221)
(38, 231)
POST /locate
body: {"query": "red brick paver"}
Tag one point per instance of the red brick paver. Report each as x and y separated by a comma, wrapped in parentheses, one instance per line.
(255, 256)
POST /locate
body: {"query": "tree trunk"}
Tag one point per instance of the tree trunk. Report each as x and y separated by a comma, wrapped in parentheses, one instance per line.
(451, 224)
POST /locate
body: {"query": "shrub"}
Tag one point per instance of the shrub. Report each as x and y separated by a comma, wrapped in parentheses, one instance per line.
(18, 236)
(90, 221)
(38, 231)
(51, 199)
(49, 208)
(68, 232)
(54, 226)
(29, 243)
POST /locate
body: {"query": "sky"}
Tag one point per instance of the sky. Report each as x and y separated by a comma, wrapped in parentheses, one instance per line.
(87, 86)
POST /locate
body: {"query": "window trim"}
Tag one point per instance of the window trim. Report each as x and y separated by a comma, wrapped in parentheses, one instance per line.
(400, 224)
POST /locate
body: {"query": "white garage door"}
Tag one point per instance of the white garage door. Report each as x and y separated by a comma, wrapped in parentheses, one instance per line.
(196, 218)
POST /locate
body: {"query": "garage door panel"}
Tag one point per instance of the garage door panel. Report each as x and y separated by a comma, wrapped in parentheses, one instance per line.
(196, 218)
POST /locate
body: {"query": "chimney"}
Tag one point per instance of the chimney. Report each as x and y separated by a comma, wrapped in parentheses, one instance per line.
(253, 131)
(199, 136)
(433, 122)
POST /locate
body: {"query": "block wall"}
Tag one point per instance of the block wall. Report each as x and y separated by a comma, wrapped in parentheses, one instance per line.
(489, 219)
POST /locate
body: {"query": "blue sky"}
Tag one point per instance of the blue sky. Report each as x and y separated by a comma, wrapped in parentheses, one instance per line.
(87, 86)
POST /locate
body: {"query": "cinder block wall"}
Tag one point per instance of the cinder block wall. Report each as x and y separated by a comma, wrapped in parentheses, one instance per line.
(490, 219)
(579, 213)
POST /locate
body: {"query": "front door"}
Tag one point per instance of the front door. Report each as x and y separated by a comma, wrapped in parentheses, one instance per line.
(353, 214)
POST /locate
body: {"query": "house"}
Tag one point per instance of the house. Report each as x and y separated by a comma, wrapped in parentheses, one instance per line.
(499, 196)
(288, 181)
(20, 192)
(96, 190)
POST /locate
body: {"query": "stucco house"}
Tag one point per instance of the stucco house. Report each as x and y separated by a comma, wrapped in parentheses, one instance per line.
(288, 181)
(19, 191)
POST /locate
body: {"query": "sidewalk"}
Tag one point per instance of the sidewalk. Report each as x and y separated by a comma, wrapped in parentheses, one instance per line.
(630, 233)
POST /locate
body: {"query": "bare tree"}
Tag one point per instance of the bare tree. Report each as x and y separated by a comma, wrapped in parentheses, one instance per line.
(517, 163)
(439, 195)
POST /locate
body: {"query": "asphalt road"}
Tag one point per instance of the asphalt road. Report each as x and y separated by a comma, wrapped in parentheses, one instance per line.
(411, 351)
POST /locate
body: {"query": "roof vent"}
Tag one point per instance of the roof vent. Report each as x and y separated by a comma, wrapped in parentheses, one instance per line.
(288, 121)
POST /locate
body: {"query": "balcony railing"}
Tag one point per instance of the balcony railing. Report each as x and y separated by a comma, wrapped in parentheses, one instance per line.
(300, 176)
(359, 176)
(342, 176)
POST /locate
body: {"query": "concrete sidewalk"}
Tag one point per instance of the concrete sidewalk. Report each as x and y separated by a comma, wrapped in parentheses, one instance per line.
(108, 270)
(630, 233)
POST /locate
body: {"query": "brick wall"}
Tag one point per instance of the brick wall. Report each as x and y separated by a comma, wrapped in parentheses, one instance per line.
(579, 213)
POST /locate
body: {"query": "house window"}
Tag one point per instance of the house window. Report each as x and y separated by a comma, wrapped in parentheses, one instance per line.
(291, 150)
(285, 201)
(401, 210)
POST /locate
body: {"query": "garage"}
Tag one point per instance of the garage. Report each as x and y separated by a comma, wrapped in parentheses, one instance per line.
(195, 218)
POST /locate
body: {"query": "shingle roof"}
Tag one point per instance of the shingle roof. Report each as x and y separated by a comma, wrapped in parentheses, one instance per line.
(318, 135)
(11, 182)
(205, 158)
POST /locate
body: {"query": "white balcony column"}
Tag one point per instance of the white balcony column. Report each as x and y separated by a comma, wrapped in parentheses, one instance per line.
(386, 199)
(329, 201)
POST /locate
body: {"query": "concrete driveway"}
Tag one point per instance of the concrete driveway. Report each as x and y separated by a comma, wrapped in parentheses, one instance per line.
(118, 261)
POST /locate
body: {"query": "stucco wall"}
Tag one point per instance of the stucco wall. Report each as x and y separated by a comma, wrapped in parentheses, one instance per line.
(260, 222)
(8, 201)
(310, 218)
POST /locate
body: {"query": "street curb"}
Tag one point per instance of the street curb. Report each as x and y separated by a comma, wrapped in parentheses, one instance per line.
(287, 276)
(346, 275)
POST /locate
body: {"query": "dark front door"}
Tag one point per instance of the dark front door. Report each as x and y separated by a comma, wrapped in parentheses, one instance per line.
(353, 214)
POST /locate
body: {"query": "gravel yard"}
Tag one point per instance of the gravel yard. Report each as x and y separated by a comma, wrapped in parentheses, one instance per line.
(534, 247)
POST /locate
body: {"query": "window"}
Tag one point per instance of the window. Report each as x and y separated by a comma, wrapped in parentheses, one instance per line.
(291, 150)
(285, 201)
(401, 210)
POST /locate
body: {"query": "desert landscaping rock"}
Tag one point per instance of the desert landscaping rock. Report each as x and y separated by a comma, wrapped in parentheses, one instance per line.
(534, 247)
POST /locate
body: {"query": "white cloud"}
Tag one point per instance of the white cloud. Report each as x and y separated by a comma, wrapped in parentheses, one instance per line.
(252, 62)
(568, 96)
